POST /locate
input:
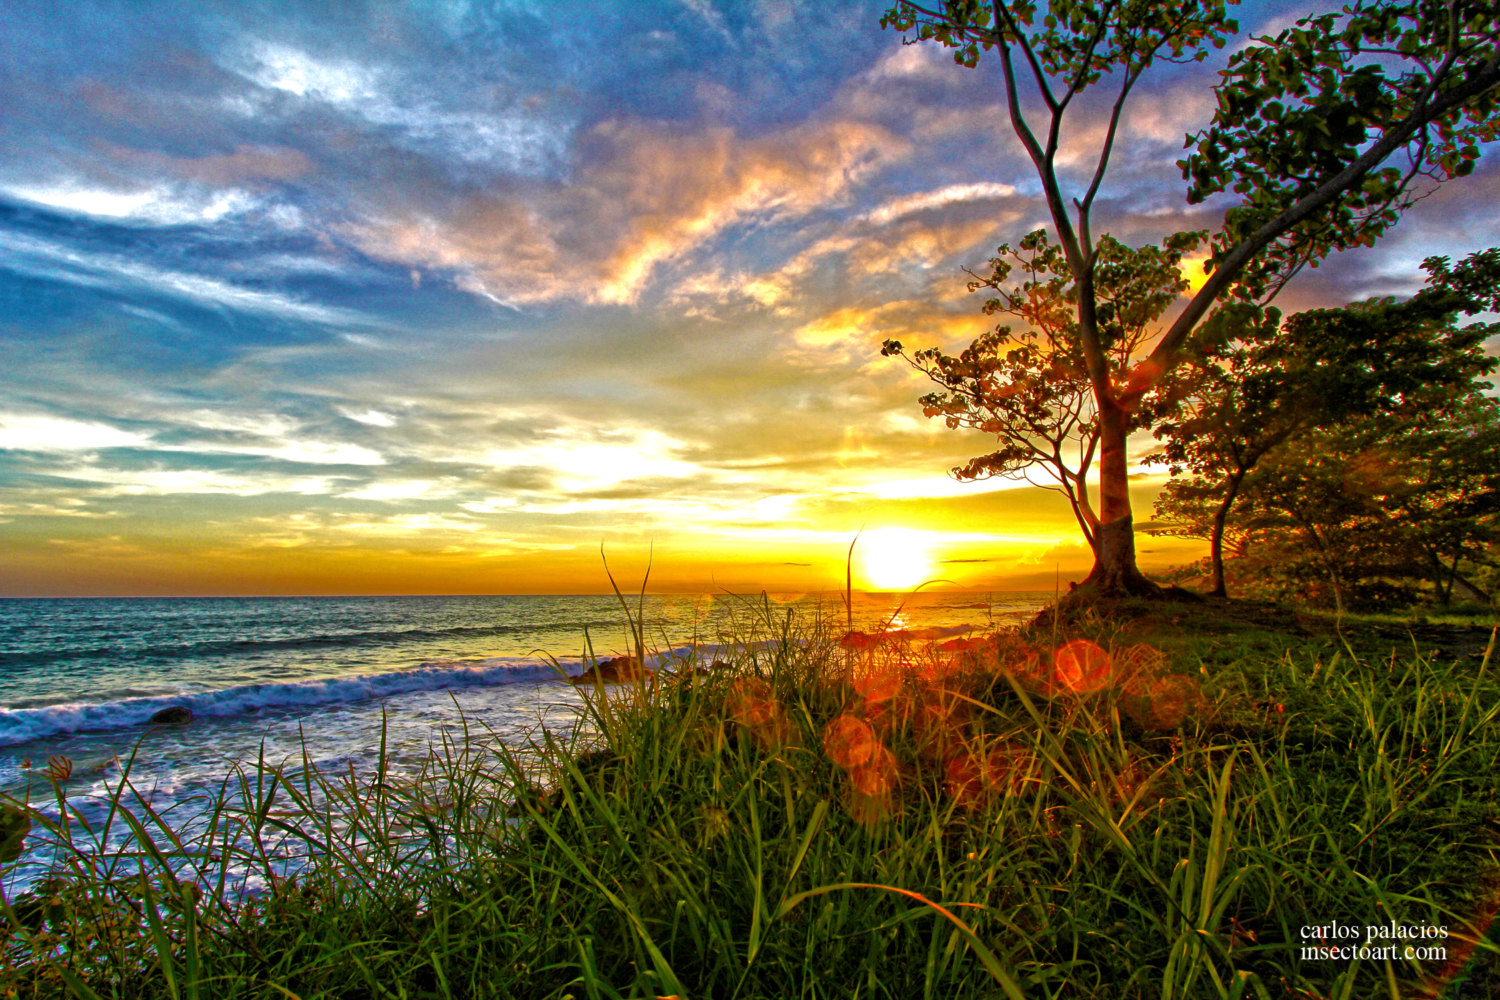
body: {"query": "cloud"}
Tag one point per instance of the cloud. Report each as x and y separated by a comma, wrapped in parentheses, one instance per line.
(856, 331)
(157, 480)
(52, 435)
(586, 460)
(160, 205)
(414, 109)
(420, 525)
(247, 164)
(932, 62)
(123, 275)
(409, 489)
(914, 243)
(301, 452)
(922, 201)
(371, 417)
(293, 71)
(645, 197)
(51, 506)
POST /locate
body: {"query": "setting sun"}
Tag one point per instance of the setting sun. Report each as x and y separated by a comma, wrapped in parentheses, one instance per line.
(894, 558)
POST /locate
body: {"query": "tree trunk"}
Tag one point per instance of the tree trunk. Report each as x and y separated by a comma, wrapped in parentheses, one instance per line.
(1216, 537)
(1467, 591)
(1440, 577)
(1115, 573)
(1330, 566)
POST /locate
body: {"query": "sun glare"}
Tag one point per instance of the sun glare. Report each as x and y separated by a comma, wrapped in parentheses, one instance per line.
(894, 558)
(1193, 273)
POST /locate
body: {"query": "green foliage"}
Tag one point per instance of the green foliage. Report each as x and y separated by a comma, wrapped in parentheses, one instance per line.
(1339, 93)
(1370, 506)
(1080, 41)
(707, 843)
(1400, 378)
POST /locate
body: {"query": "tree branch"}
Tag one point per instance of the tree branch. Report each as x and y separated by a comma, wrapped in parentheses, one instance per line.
(1304, 208)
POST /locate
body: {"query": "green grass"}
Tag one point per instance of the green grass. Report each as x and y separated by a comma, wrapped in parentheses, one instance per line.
(1165, 836)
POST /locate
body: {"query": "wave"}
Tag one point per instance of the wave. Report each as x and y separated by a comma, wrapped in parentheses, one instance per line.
(25, 724)
(210, 647)
(22, 725)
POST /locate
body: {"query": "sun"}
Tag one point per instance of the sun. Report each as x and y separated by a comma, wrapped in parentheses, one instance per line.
(894, 558)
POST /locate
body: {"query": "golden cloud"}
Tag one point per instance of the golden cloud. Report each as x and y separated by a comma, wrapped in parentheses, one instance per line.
(644, 197)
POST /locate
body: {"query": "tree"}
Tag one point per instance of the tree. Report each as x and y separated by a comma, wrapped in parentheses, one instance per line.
(1379, 504)
(1270, 382)
(1304, 135)
(1447, 503)
(1030, 389)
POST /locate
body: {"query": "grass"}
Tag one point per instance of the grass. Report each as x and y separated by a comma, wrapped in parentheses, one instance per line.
(1025, 818)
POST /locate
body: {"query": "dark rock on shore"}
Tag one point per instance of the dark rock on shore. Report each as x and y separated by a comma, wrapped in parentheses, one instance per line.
(15, 824)
(621, 668)
(177, 715)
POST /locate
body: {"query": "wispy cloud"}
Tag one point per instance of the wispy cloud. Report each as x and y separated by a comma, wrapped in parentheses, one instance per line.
(165, 481)
(159, 205)
(115, 273)
(922, 201)
(515, 139)
(646, 197)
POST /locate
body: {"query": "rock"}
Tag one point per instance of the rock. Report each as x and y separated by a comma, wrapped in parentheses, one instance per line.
(621, 668)
(714, 667)
(177, 715)
(15, 824)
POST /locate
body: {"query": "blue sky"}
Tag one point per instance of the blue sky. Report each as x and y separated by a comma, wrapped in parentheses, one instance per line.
(440, 296)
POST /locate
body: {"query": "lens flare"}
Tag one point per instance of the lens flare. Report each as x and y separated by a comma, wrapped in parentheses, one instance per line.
(1082, 666)
(848, 741)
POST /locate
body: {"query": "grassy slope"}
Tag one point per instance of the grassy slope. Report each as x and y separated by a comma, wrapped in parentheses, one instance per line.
(1247, 772)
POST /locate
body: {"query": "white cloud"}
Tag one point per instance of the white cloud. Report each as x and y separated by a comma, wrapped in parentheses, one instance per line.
(40, 258)
(517, 141)
(914, 61)
(908, 204)
(587, 466)
(37, 432)
(289, 450)
(281, 67)
(240, 423)
(411, 489)
(158, 481)
(373, 418)
(156, 206)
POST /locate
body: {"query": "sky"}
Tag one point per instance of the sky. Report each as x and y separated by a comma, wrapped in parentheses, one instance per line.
(471, 297)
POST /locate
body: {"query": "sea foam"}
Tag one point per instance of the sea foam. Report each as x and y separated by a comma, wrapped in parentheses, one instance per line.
(24, 725)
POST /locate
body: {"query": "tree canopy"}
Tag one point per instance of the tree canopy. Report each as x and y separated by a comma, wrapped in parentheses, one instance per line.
(1028, 387)
(1269, 383)
(1321, 137)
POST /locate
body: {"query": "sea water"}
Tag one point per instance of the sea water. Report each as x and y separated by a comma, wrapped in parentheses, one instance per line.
(329, 681)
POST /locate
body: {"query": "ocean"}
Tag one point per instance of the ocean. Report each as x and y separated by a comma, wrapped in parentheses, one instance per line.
(330, 679)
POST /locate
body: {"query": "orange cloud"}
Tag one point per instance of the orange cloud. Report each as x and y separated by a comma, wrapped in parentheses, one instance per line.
(913, 242)
(645, 197)
(863, 329)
